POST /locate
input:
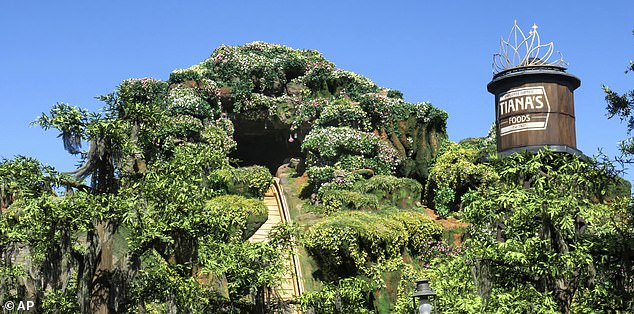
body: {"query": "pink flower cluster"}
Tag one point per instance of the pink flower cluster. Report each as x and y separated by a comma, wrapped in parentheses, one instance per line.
(429, 250)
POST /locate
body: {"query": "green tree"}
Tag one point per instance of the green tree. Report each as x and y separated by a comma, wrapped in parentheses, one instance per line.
(154, 228)
(545, 238)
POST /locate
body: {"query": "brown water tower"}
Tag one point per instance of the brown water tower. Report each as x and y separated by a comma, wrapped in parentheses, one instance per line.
(534, 100)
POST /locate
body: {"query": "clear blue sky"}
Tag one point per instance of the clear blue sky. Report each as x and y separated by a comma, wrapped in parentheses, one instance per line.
(440, 51)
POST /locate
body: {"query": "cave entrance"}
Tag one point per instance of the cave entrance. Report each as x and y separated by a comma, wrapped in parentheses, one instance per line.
(263, 143)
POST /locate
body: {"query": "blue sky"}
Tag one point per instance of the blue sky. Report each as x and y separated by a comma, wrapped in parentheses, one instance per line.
(440, 51)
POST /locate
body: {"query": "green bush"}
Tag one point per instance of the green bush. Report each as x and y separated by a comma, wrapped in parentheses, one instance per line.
(349, 295)
(252, 181)
(400, 192)
(344, 244)
(443, 200)
(350, 84)
(420, 227)
(336, 200)
(320, 175)
(145, 90)
(233, 217)
(327, 144)
(184, 75)
(384, 110)
(457, 169)
(343, 112)
(189, 101)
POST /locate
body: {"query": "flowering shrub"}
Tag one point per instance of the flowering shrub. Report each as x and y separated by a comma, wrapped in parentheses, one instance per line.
(330, 142)
(430, 250)
(226, 125)
(351, 84)
(138, 99)
(189, 101)
(341, 179)
(194, 73)
(256, 67)
(144, 90)
(354, 162)
(342, 112)
(385, 110)
(219, 137)
(307, 111)
(319, 175)
(265, 103)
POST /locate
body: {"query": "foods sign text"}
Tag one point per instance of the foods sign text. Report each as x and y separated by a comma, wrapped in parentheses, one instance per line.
(523, 109)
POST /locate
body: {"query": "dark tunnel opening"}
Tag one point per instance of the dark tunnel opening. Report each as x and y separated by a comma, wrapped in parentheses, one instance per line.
(260, 143)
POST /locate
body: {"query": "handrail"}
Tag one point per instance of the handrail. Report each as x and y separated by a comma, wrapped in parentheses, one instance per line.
(281, 198)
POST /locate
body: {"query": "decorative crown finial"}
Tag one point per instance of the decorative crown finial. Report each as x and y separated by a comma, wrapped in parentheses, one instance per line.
(520, 50)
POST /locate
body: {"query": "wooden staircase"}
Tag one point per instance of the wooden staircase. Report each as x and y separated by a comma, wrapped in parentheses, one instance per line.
(292, 286)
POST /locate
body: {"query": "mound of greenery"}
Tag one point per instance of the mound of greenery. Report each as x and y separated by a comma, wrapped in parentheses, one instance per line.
(349, 122)
(161, 223)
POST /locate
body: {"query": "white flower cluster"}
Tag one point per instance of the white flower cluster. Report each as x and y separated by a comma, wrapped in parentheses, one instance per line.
(361, 80)
(330, 141)
(421, 110)
(346, 112)
(187, 100)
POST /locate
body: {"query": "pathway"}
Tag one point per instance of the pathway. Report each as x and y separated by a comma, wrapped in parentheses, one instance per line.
(275, 201)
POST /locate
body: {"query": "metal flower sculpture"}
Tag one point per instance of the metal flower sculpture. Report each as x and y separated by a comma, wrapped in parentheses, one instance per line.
(520, 50)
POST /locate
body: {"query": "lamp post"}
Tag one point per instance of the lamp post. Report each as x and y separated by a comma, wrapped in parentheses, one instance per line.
(422, 294)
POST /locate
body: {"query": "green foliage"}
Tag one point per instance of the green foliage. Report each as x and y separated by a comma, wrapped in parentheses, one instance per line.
(232, 218)
(336, 200)
(255, 67)
(400, 192)
(385, 110)
(431, 250)
(163, 221)
(247, 266)
(326, 144)
(159, 281)
(444, 198)
(188, 101)
(344, 243)
(486, 145)
(251, 181)
(61, 301)
(349, 295)
(70, 121)
(320, 175)
(24, 177)
(343, 112)
(536, 229)
(456, 170)
(419, 227)
(141, 91)
(621, 105)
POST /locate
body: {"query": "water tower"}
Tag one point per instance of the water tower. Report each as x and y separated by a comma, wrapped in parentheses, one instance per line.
(534, 99)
